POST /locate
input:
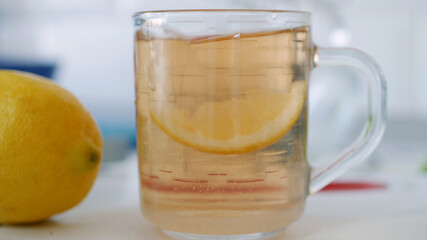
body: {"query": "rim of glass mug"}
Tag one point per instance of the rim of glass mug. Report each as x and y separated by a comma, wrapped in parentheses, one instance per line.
(190, 23)
(221, 10)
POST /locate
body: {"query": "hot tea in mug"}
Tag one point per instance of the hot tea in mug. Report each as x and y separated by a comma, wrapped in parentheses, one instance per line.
(222, 120)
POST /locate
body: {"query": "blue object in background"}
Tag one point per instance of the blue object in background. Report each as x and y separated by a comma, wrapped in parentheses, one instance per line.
(119, 140)
(122, 131)
(40, 68)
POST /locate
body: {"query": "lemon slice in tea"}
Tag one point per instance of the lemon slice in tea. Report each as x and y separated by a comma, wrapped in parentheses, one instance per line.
(234, 125)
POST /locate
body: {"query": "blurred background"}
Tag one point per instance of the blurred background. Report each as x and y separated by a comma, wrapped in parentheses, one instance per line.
(87, 47)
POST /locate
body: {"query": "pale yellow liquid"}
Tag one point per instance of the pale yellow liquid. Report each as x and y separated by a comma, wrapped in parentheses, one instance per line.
(186, 190)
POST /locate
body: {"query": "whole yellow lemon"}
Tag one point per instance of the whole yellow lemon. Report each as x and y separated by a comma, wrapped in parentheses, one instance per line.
(50, 148)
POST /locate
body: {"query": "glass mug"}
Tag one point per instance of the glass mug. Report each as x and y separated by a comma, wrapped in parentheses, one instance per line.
(221, 98)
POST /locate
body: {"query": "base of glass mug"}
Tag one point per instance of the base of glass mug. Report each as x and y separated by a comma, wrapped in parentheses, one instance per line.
(252, 236)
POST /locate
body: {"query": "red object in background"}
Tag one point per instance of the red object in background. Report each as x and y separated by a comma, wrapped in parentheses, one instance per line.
(352, 186)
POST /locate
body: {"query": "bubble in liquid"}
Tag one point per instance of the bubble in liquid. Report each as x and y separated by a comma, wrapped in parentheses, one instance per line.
(152, 86)
(237, 35)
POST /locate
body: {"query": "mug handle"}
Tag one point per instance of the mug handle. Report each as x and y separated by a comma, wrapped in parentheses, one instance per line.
(374, 128)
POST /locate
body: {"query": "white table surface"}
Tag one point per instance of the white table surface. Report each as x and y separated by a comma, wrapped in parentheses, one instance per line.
(111, 211)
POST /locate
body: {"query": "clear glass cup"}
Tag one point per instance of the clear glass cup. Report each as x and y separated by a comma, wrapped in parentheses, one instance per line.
(221, 99)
